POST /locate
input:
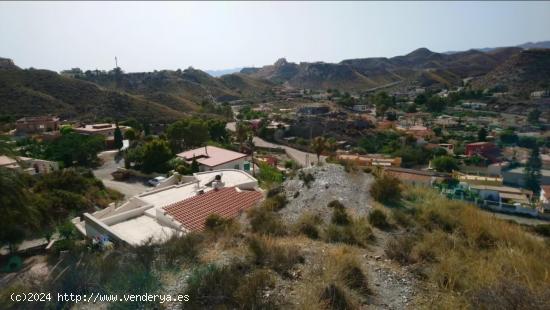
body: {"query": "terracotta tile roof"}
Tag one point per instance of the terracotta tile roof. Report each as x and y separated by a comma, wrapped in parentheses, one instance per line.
(211, 155)
(227, 202)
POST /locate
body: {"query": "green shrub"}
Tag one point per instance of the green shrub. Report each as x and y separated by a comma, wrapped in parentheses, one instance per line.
(402, 218)
(543, 229)
(334, 297)
(212, 286)
(306, 177)
(308, 224)
(215, 223)
(399, 249)
(266, 222)
(275, 203)
(335, 204)
(378, 219)
(268, 253)
(179, 249)
(357, 233)
(340, 216)
(249, 294)
(386, 189)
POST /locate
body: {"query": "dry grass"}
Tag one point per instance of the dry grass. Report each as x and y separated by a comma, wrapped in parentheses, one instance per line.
(477, 259)
(271, 253)
(339, 282)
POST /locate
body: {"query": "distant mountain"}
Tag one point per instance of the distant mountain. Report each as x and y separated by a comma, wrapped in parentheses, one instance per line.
(528, 45)
(523, 72)
(218, 73)
(159, 95)
(422, 67)
(38, 92)
(182, 90)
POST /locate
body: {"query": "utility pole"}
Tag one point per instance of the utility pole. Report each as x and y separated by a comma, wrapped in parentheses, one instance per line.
(116, 62)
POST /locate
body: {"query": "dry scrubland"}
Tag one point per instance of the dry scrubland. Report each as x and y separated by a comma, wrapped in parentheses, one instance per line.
(427, 252)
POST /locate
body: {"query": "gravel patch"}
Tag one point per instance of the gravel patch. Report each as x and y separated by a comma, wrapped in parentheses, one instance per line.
(331, 182)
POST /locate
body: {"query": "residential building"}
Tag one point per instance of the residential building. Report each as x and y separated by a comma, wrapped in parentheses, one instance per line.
(28, 165)
(502, 194)
(174, 207)
(371, 160)
(486, 150)
(516, 177)
(38, 124)
(213, 158)
(360, 108)
(545, 199)
(416, 177)
(474, 105)
(107, 130)
(540, 94)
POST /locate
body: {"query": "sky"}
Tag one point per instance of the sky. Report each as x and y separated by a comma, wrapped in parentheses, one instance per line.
(147, 36)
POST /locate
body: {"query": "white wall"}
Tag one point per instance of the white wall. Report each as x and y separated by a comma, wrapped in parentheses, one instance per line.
(228, 165)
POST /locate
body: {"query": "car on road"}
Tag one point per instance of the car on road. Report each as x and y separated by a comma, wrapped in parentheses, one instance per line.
(156, 181)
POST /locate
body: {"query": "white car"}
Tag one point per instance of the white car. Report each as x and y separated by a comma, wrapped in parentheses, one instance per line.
(156, 181)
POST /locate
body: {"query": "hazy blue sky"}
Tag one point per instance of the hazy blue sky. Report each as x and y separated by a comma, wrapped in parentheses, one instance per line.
(216, 35)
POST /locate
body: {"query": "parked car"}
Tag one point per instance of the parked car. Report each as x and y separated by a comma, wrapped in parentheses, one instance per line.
(156, 181)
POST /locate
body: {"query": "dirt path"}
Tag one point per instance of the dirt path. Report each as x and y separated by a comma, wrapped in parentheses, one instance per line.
(392, 285)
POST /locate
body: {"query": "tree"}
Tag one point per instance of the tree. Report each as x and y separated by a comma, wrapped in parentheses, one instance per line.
(532, 170)
(386, 189)
(319, 145)
(118, 138)
(130, 134)
(420, 99)
(156, 155)
(435, 104)
(194, 166)
(445, 164)
(251, 146)
(216, 129)
(533, 116)
(508, 136)
(75, 149)
(242, 132)
(482, 134)
(383, 102)
(17, 212)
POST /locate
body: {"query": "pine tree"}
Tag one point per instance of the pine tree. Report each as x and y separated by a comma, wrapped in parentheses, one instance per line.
(532, 170)
(118, 138)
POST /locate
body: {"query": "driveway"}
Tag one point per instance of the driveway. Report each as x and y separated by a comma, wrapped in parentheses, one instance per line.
(129, 188)
(305, 159)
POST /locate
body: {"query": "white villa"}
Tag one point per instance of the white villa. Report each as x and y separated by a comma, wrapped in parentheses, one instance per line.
(178, 205)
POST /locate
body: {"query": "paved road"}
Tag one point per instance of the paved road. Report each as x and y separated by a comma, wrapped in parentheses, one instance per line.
(110, 164)
(302, 158)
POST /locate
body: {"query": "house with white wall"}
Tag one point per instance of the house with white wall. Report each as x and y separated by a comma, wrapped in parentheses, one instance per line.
(212, 158)
(177, 206)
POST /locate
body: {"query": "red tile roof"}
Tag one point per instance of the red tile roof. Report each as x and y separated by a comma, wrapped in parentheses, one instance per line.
(227, 202)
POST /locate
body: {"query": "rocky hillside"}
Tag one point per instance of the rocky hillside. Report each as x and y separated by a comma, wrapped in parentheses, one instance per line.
(523, 72)
(157, 96)
(182, 90)
(38, 92)
(422, 66)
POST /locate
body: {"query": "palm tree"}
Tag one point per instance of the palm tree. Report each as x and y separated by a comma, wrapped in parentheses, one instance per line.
(319, 145)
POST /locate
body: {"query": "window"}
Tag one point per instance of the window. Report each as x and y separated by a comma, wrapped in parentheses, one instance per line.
(237, 166)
